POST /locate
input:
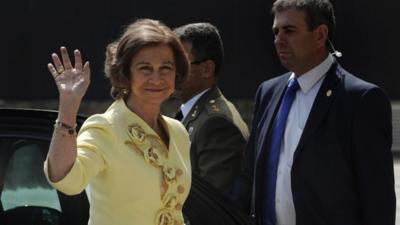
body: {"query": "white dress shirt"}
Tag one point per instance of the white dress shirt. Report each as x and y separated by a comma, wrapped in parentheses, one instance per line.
(186, 107)
(310, 83)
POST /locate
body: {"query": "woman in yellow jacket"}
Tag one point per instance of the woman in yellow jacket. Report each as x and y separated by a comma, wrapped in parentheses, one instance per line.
(133, 161)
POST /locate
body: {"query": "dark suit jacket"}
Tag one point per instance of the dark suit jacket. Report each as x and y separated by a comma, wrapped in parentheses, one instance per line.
(218, 137)
(342, 172)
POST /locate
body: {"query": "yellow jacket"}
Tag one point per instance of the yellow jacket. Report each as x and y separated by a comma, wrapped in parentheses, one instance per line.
(130, 175)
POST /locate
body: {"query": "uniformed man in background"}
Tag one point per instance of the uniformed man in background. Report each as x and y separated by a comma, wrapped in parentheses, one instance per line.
(217, 132)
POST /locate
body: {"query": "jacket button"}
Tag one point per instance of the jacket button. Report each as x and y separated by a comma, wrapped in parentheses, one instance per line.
(178, 206)
(181, 189)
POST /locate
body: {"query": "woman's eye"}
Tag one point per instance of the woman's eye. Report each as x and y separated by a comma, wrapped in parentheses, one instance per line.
(166, 68)
(145, 69)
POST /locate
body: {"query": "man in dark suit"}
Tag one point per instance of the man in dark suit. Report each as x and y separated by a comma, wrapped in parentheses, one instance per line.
(217, 132)
(320, 146)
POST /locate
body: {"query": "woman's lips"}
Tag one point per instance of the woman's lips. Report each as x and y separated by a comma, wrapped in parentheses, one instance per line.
(155, 89)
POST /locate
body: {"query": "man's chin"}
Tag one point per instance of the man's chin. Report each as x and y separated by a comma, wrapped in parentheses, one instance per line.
(285, 63)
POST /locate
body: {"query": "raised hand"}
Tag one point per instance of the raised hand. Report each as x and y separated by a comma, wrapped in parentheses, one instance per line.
(72, 81)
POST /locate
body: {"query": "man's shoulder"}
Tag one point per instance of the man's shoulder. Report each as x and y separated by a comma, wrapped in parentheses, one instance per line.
(354, 83)
(219, 106)
(216, 107)
(274, 82)
(268, 89)
(351, 89)
(222, 110)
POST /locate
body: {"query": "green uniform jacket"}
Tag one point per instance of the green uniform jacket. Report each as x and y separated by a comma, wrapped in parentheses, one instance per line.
(218, 137)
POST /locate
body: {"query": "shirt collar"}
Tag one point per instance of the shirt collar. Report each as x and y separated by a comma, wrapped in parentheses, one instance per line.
(186, 107)
(310, 78)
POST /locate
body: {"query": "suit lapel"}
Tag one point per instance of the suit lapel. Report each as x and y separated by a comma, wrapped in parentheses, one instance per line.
(321, 106)
(268, 116)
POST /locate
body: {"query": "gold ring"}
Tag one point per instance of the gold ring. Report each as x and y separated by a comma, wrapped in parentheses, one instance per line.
(60, 70)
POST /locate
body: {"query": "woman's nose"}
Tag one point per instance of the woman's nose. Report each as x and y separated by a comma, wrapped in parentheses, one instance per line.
(156, 77)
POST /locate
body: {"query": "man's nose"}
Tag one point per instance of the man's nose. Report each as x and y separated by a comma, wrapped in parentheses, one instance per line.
(279, 39)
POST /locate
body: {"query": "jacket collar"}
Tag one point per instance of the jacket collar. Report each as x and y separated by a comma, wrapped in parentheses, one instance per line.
(212, 94)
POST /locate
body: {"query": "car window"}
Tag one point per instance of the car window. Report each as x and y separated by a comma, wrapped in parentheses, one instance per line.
(25, 183)
(26, 196)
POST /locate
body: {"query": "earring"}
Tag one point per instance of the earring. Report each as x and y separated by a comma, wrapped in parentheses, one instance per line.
(125, 91)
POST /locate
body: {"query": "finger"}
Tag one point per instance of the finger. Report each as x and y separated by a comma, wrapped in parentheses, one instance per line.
(65, 58)
(53, 70)
(86, 71)
(78, 60)
(57, 63)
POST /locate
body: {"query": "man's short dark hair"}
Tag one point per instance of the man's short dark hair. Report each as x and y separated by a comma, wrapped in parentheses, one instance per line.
(317, 12)
(206, 42)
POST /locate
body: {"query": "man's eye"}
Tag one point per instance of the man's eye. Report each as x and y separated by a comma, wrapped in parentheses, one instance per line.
(289, 31)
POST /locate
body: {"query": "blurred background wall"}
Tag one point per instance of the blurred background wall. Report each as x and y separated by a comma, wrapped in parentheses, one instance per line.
(367, 35)
(32, 29)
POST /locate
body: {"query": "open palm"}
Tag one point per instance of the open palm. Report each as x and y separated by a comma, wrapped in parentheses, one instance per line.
(72, 81)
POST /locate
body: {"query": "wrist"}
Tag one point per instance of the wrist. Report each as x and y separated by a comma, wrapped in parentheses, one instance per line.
(68, 110)
(67, 114)
(69, 129)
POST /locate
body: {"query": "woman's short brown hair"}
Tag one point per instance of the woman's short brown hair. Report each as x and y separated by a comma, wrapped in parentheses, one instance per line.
(141, 33)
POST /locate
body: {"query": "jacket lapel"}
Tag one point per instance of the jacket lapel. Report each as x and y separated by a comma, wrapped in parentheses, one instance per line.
(321, 106)
(268, 116)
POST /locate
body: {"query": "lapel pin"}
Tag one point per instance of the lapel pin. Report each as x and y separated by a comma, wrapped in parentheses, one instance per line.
(328, 93)
(215, 108)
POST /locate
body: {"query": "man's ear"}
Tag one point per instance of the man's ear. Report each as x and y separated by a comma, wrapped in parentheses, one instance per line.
(208, 68)
(321, 35)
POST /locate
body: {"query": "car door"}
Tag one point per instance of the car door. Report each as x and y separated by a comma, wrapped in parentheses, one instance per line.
(26, 198)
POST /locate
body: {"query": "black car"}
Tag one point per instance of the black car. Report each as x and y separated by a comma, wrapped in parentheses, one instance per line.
(26, 198)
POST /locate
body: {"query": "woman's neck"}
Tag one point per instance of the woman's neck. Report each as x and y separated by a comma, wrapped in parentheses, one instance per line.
(148, 112)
